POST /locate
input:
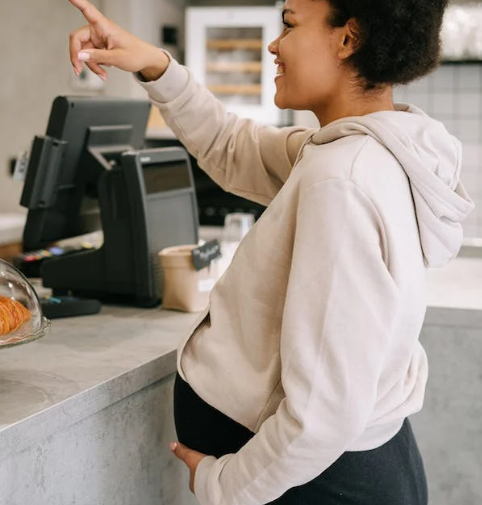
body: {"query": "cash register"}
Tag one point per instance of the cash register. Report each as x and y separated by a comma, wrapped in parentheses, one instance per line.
(91, 172)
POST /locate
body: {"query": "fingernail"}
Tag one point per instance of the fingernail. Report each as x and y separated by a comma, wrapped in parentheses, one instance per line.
(172, 446)
(76, 72)
(83, 56)
(103, 77)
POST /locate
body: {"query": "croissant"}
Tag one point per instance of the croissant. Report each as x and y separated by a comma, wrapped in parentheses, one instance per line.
(12, 315)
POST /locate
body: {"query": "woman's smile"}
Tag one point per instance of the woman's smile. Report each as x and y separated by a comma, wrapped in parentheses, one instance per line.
(280, 70)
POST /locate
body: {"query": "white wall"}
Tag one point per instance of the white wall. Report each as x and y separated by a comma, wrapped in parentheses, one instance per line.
(143, 18)
(35, 68)
(148, 16)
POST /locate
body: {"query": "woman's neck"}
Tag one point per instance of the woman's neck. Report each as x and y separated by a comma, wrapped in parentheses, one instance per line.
(355, 103)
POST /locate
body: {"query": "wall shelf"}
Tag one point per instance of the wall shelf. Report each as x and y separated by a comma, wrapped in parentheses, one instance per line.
(254, 67)
(230, 44)
(235, 89)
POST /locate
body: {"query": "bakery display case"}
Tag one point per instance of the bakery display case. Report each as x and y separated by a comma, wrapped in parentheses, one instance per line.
(21, 317)
(227, 50)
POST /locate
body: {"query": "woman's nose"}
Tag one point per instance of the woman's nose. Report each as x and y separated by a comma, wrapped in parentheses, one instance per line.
(273, 47)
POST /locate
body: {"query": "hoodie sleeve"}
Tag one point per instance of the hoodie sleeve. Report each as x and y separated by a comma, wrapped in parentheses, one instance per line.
(334, 340)
(244, 158)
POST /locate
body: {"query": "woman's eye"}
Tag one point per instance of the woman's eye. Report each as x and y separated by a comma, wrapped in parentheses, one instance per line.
(287, 25)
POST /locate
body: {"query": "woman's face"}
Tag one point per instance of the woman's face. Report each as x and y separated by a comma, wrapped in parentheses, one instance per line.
(307, 56)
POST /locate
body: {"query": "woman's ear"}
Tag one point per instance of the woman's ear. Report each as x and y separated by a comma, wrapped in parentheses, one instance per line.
(350, 40)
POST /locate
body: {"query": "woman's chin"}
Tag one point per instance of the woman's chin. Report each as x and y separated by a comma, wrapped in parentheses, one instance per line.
(280, 101)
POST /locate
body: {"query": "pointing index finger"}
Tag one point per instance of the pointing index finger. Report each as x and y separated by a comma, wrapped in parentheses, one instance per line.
(89, 11)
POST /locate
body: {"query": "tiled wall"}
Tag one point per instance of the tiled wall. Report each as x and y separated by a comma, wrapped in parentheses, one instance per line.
(452, 94)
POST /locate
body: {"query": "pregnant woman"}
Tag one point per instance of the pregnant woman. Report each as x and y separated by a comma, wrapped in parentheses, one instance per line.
(296, 384)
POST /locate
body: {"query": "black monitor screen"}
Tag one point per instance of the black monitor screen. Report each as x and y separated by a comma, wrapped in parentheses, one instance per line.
(166, 176)
(60, 183)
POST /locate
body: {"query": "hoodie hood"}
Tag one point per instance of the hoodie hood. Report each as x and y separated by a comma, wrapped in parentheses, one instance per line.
(431, 158)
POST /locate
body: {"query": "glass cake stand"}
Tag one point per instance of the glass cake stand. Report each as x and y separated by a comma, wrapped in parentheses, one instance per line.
(21, 317)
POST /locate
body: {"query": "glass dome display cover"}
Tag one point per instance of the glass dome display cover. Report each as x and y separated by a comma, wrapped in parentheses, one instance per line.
(21, 318)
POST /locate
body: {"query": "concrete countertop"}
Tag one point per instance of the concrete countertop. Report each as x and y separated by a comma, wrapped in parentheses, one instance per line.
(84, 365)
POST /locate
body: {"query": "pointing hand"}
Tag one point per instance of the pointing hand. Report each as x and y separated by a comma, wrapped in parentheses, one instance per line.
(103, 43)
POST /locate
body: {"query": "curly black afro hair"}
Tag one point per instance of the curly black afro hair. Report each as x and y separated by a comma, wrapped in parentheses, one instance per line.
(399, 39)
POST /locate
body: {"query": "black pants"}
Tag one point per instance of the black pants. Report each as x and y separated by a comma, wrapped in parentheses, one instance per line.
(392, 474)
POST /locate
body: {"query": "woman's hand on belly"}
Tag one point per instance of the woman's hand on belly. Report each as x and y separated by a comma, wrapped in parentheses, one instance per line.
(189, 457)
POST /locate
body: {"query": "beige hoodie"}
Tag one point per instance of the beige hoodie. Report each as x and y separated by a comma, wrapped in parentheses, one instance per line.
(312, 335)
